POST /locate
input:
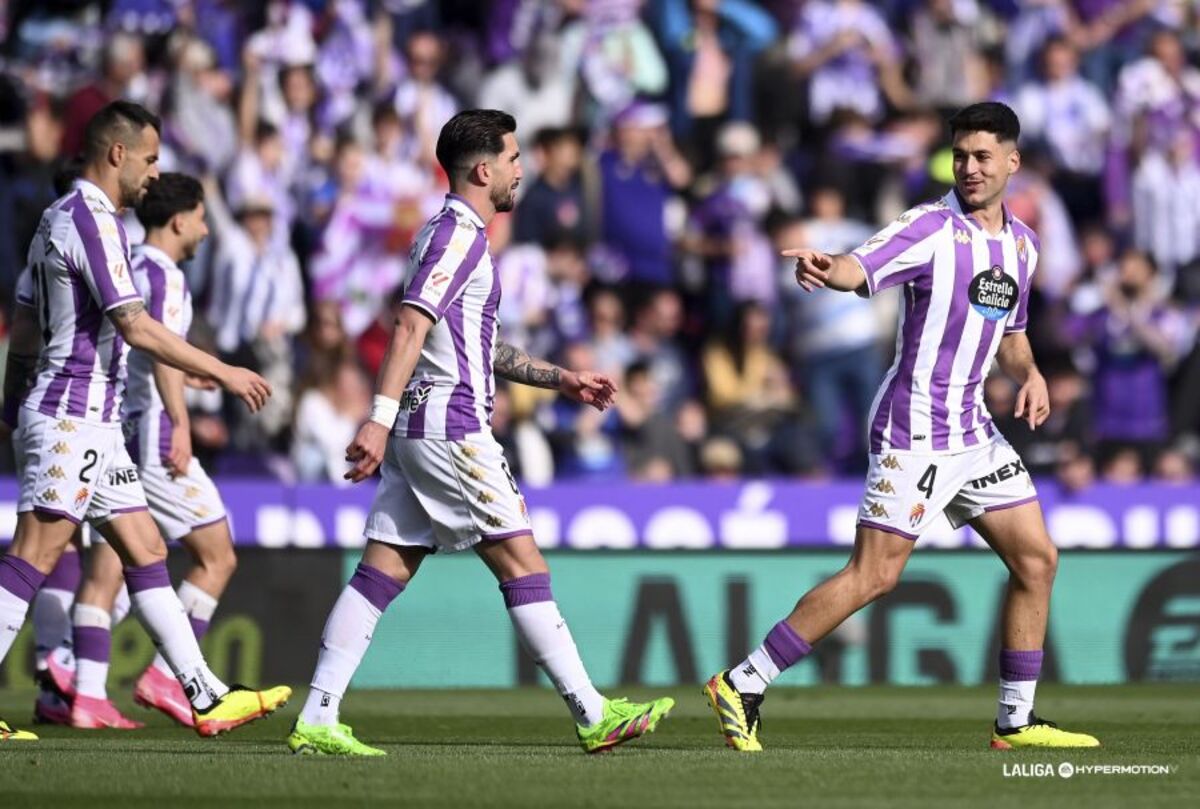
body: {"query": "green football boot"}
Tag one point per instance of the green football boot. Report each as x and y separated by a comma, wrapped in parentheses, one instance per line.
(327, 740)
(623, 721)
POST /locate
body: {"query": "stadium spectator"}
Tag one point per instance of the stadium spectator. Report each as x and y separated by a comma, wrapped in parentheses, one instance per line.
(1137, 337)
(536, 89)
(333, 402)
(636, 178)
(651, 447)
(946, 47)
(27, 185)
(122, 75)
(420, 97)
(554, 204)
(657, 322)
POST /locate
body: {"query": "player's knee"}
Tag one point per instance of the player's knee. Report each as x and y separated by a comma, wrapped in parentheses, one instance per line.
(876, 581)
(1035, 569)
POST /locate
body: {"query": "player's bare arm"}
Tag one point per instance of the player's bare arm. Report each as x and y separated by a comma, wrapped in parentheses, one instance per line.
(24, 343)
(408, 338)
(815, 270)
(170, 384)
(1015, 358)
(590, 388)
(145, 333)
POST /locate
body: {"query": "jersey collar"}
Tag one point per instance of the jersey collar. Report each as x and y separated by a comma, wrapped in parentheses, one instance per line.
(93, 192)
(155, 254)
(955, 204)
(462, 206)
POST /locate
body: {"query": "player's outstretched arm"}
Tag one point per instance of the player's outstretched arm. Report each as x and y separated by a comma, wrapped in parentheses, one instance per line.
(146, 334)
(408, 338)
(1015, 357)
(815, 270)
(24, 344)
(590, 388)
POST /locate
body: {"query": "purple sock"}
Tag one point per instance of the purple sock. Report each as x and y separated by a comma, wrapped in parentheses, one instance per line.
(20, 578)
(785, 647)
(1016, 666)
(529, 589)
(66, 575)
(199, 627)
(147, 577)
(375, 586)
(93, 643)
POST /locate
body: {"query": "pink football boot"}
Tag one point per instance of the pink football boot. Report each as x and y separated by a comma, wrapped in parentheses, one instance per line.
(156, 690)
(92, 713)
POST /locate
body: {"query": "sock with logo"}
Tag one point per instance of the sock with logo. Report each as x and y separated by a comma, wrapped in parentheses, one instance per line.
(163, 616)
(199, 607)
(52, 608)
(1019, 671)
(544, 635)
(93, 645)
(345, 640)
(781, 649)
(19, 581)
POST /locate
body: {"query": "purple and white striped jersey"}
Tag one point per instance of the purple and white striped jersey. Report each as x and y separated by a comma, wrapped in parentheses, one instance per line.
(452, 278)
(79, 258)
(963, 291)
(164, 289)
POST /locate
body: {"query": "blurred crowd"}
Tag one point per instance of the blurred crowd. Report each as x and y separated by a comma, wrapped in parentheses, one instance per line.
(671, 149)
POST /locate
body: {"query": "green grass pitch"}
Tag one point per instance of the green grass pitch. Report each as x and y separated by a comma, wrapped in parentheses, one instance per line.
(841, 747)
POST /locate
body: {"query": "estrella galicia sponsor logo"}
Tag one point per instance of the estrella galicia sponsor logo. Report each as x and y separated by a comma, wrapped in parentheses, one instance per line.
(992, 293)
(1006, 472)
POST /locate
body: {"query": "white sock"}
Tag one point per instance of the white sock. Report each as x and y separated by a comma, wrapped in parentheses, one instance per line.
(12, 617)
(51, 622)
(1016, 702)
(755, 673)
(121, 606)
(545, 635)
(93, 644)
(345, 640)
(200, 607)
(163, 616)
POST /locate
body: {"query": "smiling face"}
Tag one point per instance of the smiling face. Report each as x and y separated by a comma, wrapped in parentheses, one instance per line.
(192, 230)
(982, 166)
(505, 174)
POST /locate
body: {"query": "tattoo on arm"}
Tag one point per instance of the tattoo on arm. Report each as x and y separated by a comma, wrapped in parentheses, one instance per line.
(515, 365)
(127, 313)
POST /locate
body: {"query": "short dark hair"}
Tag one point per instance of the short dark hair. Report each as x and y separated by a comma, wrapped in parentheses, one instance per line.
(172, 193)
(470, 135)
(120, 121)
(987, 116)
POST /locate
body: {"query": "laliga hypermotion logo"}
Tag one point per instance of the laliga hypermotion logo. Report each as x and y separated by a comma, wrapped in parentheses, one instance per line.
(917, 513)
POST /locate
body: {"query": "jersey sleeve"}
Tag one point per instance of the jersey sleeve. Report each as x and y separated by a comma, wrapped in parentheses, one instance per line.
(1019, 318)
(163, 294)
(97, 251)
(901, 251)
(24, 290)
(443, 268)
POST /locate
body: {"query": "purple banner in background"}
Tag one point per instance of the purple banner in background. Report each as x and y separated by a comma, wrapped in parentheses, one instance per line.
(751, 515)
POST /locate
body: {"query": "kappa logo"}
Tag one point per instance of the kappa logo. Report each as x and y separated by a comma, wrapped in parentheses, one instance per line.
(475, 473)
(65, 426)
(191, 492)
(890, 462)
(883, 486)
(49, 496)
(81, 496)
(60, 449)
(961, 236)
(56, 472)
(877, 510)
(1009, 470)
(106, 225)
(486, 497)
(916, 515)
(468, 451)
(201, 512)
(493, 521)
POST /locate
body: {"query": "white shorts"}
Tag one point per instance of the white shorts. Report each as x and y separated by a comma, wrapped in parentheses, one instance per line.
(446, 495)
(907, 490)
(181, 504)
(74, 469)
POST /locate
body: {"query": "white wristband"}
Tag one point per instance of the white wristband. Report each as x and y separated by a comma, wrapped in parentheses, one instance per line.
(384, 410)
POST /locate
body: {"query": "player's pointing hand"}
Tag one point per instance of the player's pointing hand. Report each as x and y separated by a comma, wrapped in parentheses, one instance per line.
(812, 267)
(1033, 401)
(366, 451)
(247, 386)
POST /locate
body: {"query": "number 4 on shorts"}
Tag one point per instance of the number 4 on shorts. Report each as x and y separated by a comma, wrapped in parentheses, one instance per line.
(925, 484)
